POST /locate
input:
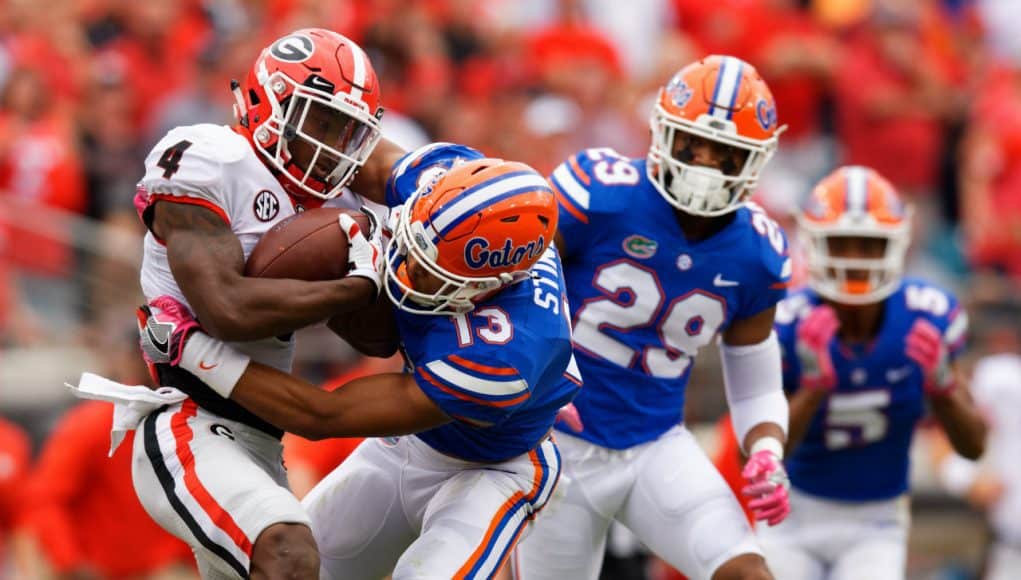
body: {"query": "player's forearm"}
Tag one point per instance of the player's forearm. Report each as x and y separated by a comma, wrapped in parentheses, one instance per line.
(375, 406)
(804, 404)
(962, 422)
(257, 308)
(370, 181)
(289, 403)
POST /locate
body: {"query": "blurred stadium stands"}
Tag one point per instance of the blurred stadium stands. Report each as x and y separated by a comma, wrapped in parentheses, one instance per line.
(927, 91)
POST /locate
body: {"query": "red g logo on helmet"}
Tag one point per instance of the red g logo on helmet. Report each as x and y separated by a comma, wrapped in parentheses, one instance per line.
(481, 226)
(310, 107)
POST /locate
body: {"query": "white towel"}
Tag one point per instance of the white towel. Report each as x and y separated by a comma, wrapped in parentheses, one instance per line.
(131, 404)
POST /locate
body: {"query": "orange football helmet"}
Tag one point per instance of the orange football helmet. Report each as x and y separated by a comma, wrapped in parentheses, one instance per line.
(724, 100)
(314, 91)
(475, 229)
(854, 202)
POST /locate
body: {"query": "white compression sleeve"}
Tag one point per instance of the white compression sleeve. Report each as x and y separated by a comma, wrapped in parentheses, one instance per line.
(753, 382)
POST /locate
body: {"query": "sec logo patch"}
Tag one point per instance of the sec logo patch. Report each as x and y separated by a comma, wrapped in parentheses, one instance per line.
(266, 206)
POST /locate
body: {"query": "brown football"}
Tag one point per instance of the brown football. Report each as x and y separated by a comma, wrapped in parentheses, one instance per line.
(311, 246)
(306, 246)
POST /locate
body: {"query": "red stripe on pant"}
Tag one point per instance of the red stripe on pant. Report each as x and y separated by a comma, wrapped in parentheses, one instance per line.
(221, 519)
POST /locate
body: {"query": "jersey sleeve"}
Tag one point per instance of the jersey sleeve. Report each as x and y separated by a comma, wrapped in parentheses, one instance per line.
(582, 196)
(940, 307)
(425, 164)
(481, 391)
(773, 268)
(187, 166)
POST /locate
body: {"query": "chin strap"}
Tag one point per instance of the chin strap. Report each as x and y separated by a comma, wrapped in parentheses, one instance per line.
(239, 103)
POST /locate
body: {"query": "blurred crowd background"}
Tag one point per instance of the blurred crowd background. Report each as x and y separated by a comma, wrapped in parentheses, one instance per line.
(928, 92)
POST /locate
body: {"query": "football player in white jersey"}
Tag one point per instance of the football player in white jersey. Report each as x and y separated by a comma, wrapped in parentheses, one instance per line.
(308, 117)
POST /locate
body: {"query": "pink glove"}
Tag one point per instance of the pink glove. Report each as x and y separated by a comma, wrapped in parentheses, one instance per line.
(163, 327)
(815, 333)
(925, 346)
(767, 487)
(570, 416)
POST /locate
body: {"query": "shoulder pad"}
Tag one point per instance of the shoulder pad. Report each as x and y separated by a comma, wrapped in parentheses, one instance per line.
(189, 160)
(426, 163)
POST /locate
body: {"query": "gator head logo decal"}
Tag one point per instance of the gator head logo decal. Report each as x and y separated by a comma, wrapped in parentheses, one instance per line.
(479, 254)
(639, 247)
(679, 91)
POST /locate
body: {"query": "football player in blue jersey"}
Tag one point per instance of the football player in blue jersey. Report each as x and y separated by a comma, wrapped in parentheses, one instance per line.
(865, 352)
(662, 255)
(481, 308)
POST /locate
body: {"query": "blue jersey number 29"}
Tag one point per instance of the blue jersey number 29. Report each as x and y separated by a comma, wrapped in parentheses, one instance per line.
(634, 299)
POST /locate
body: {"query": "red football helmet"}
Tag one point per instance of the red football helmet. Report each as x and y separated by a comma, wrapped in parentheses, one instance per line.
(481, 226)
(721, 99)
(310, 107)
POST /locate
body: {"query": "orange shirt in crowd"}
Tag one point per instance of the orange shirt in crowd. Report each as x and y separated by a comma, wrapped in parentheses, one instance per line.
(15, 457)
(82, 508)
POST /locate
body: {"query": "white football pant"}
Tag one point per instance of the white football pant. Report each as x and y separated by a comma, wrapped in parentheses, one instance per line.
(825, 539)
(214, 483)
(397, 506)
(666, 491)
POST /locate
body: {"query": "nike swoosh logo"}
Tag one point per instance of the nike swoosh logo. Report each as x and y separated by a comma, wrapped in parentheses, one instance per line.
(205, 367)
(720, 281)
(161, 344)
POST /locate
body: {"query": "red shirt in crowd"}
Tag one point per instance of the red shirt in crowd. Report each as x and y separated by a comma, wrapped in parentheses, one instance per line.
(40, 168)
(723, 26)
(798, 93)
(998, 113)
(15, 458)
(904, 147)
(82, 508)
